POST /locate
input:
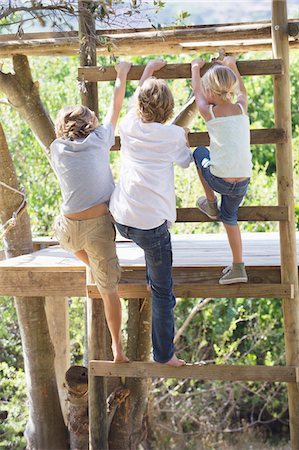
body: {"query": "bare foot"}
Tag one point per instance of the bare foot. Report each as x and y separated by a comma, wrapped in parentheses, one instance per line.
(176, 362)
(119, 356)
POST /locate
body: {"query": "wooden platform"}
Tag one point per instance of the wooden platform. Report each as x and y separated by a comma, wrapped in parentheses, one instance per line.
(198, 262)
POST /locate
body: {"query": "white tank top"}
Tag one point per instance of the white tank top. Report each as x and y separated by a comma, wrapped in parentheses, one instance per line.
(230, 145)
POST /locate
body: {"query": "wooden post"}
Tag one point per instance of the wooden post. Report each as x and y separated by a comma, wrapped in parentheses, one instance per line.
(284, 162)
(58, 322)
(88, 53)
(76, 387)
(97, 386)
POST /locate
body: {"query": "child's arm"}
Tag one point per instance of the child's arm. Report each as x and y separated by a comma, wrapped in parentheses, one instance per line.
(200, 98)
(122, 70)
(150, 68)
(230, 62)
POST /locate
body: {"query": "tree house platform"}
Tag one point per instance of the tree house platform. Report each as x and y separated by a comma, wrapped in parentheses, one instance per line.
(197, 264)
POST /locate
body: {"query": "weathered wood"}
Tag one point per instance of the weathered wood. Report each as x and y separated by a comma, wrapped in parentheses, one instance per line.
(189, 290)
(58, 321)
(76, 386)
(293, 29)
(284, 166)
(195, 371)
(262, 136)
(176, 40)
(97, 392)
(65, 48)
(246, 213)
(176, 71)
(88, 53)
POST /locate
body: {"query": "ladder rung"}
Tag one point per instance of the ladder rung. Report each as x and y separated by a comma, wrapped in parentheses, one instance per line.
(246, 213)
(175, 71)
(190, 290)
(259, 136)
(145, 369)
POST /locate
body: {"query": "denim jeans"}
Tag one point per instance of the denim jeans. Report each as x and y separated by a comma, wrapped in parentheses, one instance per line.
(232, 194)
(156, 244)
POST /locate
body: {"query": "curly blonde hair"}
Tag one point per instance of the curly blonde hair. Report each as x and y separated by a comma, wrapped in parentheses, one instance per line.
(222, 81)
(75, 122)
(155, 101)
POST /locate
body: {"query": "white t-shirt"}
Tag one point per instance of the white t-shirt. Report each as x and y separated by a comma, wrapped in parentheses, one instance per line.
(83, 170)
(144, 197)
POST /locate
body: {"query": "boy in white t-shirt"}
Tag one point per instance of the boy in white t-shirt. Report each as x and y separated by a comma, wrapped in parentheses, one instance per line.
(143, 202)
(80, 157)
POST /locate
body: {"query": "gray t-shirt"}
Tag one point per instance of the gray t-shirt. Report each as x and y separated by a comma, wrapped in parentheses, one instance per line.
(83, 170)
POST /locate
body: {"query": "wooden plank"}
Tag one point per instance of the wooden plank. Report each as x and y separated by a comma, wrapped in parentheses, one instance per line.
(169, 40)
(196, 371)
(246, 213)
(285, 194)
(190, 290)
(72, 284)
(38, 283)
(262, 136)
(189, 250)
(176, 71)
(70, 47)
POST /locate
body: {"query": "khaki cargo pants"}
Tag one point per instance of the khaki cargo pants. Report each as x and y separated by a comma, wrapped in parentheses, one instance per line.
(97, 238)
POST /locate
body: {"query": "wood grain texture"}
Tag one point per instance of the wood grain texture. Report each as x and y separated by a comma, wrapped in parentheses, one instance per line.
(196, 371)
(259, 136)
(176, 71)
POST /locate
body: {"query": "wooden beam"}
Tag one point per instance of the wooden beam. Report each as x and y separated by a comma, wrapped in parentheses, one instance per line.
(195, 371)
(176, 71)
(237, 37)
(190, 290)
(72, 284)
(293, 29)
(246, 213)
(62, 48)
(285, 183)
(262, 136)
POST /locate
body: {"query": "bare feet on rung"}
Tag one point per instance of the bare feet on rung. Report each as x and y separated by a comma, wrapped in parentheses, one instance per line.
(119, 356)
(176, 362)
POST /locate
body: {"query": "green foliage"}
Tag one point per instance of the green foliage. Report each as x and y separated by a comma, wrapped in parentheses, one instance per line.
(226, 331)
(12, 407)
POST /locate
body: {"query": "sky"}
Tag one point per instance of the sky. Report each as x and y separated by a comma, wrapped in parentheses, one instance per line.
(222, 11)
(200, 11)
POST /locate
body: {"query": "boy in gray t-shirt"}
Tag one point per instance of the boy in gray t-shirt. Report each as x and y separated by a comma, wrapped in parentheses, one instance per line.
(80, 157)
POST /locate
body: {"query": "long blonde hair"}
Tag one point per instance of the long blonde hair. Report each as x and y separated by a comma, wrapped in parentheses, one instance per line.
(155, 101)
(222, 81)
(75, 122)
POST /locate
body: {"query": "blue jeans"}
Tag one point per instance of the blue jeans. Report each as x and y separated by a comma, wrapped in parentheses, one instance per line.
(156, 244)
(232, 194)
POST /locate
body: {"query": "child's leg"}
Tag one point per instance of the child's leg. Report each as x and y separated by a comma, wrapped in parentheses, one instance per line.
(229, 214)
(101, 252)
(235, 241)
(82, 255)
(158, 255)
(202, 158)
(112, 307)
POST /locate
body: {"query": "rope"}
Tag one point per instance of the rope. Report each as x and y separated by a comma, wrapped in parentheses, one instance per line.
(11, 223)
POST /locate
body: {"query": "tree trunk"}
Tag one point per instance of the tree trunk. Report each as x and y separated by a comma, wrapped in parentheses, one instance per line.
(22, 93)
(128, 427)
(45, 428)
(76, 385)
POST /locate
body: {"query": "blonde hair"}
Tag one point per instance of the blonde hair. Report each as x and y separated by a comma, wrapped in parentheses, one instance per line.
(155, 101)
(222, 81)
(75, 122)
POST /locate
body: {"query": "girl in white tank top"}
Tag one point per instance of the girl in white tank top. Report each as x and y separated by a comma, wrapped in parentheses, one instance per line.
(226, 168)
